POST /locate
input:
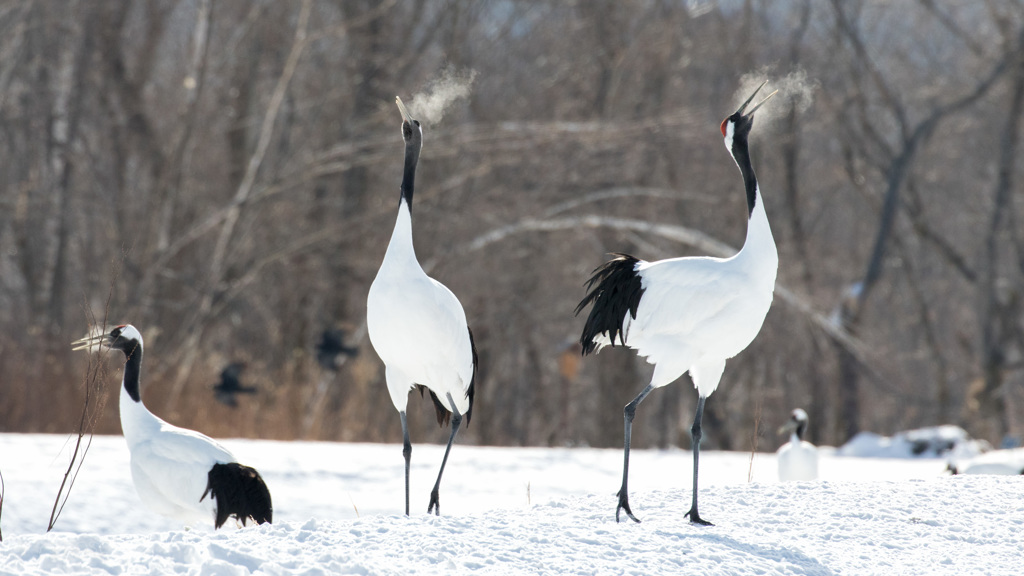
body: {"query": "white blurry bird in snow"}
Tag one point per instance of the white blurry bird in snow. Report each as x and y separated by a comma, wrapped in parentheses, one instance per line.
(798, 458)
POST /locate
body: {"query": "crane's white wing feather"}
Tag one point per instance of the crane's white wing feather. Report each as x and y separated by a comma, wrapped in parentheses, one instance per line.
(171, 468)
(418, 328)
(694, 308)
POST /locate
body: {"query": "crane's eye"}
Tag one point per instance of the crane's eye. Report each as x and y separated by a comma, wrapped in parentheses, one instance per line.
(416, 122)
(115, 332)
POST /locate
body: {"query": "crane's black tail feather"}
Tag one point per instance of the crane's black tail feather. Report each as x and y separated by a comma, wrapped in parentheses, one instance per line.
(239, 491)
(441, 411)
(615, 290)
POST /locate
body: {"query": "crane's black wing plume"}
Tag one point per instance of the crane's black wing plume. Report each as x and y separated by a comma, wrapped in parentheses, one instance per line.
(240, 492)
(615, 290)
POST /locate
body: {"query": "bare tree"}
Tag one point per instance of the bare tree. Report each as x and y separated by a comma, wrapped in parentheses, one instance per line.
(897, 164)
(1000, 307)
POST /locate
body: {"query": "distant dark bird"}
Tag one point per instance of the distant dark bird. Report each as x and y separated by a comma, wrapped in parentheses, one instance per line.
(229, 385)
(798, 458)
(687, 314)
(418, 326)
(175, 469)
(332, 347)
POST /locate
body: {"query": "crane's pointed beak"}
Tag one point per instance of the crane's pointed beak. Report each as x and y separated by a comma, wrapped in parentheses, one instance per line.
(788, 427)
(759, 104)
(403, 110)
(91, 343)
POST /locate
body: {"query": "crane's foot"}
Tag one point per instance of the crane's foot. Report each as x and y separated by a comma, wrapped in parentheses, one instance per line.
(624, 505)
(696, 519)
(435, 504)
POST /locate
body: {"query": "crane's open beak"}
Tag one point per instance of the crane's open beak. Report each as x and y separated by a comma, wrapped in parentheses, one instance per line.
(91, 343)
(751, 111)
(403, 110)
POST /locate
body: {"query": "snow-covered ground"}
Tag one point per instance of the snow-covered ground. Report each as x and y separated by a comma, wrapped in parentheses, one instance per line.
(337, 510)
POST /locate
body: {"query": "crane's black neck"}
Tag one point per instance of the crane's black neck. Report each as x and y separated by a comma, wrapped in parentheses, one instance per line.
(133, 370)
(412, 156)
(741, 152)
(801, 427)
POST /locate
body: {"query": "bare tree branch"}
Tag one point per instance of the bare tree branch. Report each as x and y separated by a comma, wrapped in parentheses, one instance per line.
(926, 232)
(902, 163)
(194, 80)
(937, 358)
(999, 312)
(953, 27)
(888, 95)
(12, 49)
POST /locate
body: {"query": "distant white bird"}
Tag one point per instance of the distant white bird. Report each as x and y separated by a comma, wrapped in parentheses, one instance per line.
(797, 459)
(687, 314)
(177, 472)
(418, 326)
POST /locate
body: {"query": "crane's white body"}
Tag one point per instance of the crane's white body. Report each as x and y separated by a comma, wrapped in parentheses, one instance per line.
(687, 314)
(797, 460)
(178, 473)
(697, 312)
(418, 326)
(170, 464)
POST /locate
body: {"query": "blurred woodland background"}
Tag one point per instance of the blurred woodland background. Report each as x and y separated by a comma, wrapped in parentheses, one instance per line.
(224, 175)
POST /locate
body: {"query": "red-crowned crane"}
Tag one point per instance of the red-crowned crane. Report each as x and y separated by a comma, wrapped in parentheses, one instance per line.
(798, 458)
(687, 314)
(418, 326)
(177, 472)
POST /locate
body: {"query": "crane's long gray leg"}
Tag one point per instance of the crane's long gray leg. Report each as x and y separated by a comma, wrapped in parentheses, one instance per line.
(629, 412)
(407, 453)
(695, 435)
(435, 502)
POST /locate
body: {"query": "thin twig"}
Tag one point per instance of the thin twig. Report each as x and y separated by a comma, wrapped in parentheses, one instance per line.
(95, 376)
(354, 507)
(86, 425)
